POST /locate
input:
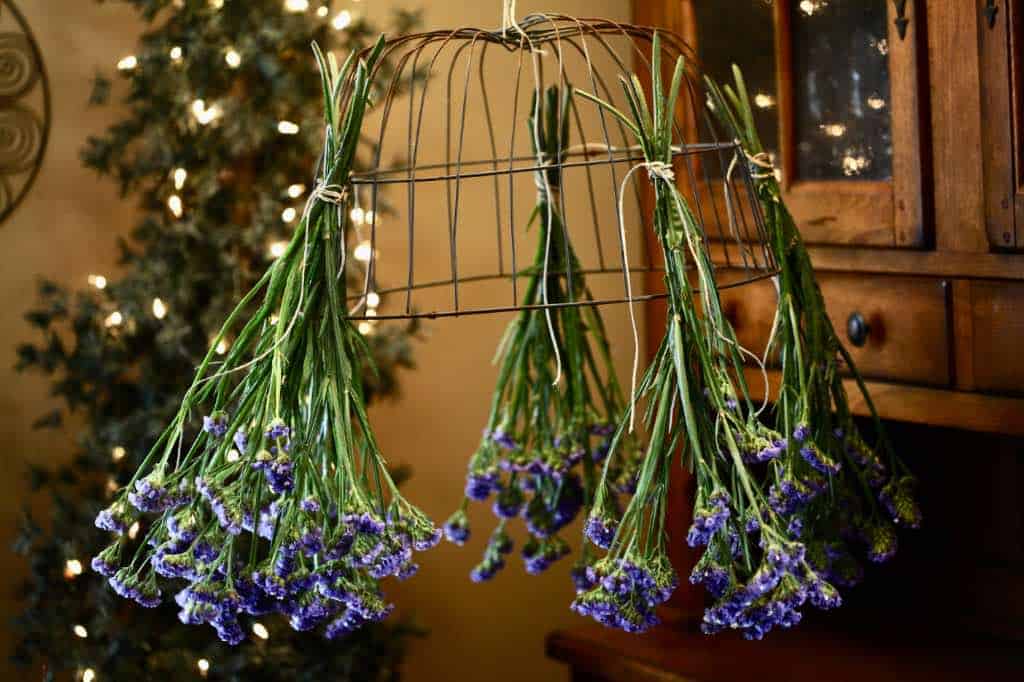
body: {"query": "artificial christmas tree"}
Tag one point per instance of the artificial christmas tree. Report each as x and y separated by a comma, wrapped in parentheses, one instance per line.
(219, 148)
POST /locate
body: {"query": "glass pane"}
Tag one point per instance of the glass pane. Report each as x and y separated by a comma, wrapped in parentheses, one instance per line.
(841, 89)
(742, 32)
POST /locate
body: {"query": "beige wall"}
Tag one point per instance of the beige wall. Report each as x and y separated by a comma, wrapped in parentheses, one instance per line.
(66, 229)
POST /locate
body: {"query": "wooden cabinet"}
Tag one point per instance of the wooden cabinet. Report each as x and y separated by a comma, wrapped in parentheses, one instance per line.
(1001, 49)
(921, 251)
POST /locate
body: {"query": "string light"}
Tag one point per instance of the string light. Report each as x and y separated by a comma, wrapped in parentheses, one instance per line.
(296, 5)
(342, 21)
(112, 485)
(370, 312)
(114, 319)
(277, 249)
(363, 252)
(127, 63)
(72, 568)
(204, 666)
(203, 114)
(88, 675)
(80, 631)
(876, 102)
(833, 129)
(368, 216)
(764, 101)
(133, 530)
(118, 453)
(295, 191)
(233, 59)
(175, 205)
(260, 630)
(322, 11)
(373, 299)
(216, 4)
(159, 309)
(98, 281)
(365, 328)
(222, 347)
(176, 54)
(287, 127)
(357, 215)
(180, 175)
(288, 214)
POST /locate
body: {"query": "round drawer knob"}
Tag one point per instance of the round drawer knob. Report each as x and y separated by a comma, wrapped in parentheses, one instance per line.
(857, 329)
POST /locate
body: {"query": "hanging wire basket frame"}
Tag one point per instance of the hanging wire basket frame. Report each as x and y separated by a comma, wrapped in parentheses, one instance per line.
(715, 177)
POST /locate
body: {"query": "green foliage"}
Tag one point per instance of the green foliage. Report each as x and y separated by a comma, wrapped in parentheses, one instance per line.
(124, 378)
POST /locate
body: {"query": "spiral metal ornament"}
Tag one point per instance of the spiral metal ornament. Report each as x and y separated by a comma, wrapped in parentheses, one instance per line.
(24, 108)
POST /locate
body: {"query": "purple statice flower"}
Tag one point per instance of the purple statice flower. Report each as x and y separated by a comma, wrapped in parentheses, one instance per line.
(752, 524)
(456, 528)
(480, 484)
(600, 530)
(600, 453)
(823, 595)
(898, 499)
(106, 562)
(508, 503)
(504, 440)
(487, 569)
(308, 611)
(801, 433)
(818, 460)
(772, 450)
(310, 505)
(882, 542)
(268, 520)
(116, 518)
(365, 522)
(602, 430)
(277, 430)
(715, 578)
(788, 495)
(584, 578)
(538, 555)
(346, 624)
(150, 495)
(205, 551)
(628, 593)
(795, 527)
(241, 441)
(709, 519)
(280, 474)
(216, 424)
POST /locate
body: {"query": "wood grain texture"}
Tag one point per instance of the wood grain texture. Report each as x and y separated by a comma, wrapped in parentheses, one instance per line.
(998, 341)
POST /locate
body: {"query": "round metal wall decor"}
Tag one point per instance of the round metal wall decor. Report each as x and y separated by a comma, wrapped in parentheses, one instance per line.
(24, 108)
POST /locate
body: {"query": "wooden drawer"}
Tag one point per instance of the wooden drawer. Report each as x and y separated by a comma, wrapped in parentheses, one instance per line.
(908, 320)
(996, 336)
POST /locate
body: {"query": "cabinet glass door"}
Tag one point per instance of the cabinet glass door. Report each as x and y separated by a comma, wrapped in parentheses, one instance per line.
(835, 84)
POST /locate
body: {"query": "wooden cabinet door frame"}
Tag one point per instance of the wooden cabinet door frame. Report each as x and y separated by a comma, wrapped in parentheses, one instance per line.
(889, 213)
(1001, 49)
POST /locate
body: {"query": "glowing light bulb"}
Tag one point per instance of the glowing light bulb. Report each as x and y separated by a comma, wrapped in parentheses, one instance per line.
(176, 54)
(72, 568)
(118, 453)
(365, 328)
(373, 299)
(876, 102)
(175, 206)
(288, 214)
(357, 215)
(322, 11)
(205, 115)
(133, 531)
(127, 63)
(204, 666)
(295, 191)
(114, 319)
(111, 486)
(260, 630)
(98, 281)
(287, 127)
(222, 347)
(363, 252)
(833, 129)
(180, 176)
(342, 20)
(368, 216)
(159, 309)
(80, 631)
(764, 101)
(88, 675)
(296, 5)
(232, 58)
(216, 4)
(277, 249)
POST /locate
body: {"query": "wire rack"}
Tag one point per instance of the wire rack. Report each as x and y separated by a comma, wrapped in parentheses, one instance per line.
(453, 210)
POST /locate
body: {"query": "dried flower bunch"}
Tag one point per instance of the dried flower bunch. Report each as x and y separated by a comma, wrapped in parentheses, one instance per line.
(281, 501)
(782, 504)
(557, 402)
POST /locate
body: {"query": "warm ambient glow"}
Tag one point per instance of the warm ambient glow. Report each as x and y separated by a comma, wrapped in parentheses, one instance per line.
(175, 205)
(180, 175)
(372, 299)
(260, 630)
(176, 53)
(114, 319)
(133, 530)
(295, 191)
(88, 675)
(128, 63)
(357, 215)
(204, 666)
(363, 252)
(277, 249)
(288, 214)
(764, 101)
(98, 281)
(118, 453)
(159, 309)
(296, 5)
(287, 128)
(222, 347)
(233, 59)
(80, 631)
(72, 568)
(322, 11)
(365, 328)
(203, 114)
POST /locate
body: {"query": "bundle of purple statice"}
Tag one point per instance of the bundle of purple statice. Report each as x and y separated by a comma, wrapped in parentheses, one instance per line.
(786, 498)
(557, 403)
(280, 501)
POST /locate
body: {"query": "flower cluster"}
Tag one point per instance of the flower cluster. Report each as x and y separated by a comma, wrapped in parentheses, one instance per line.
(280, 501)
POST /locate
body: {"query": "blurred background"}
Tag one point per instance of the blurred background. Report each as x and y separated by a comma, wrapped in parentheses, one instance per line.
(65, 229)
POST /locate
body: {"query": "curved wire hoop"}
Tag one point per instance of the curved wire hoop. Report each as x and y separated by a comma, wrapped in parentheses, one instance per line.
(446, 95)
